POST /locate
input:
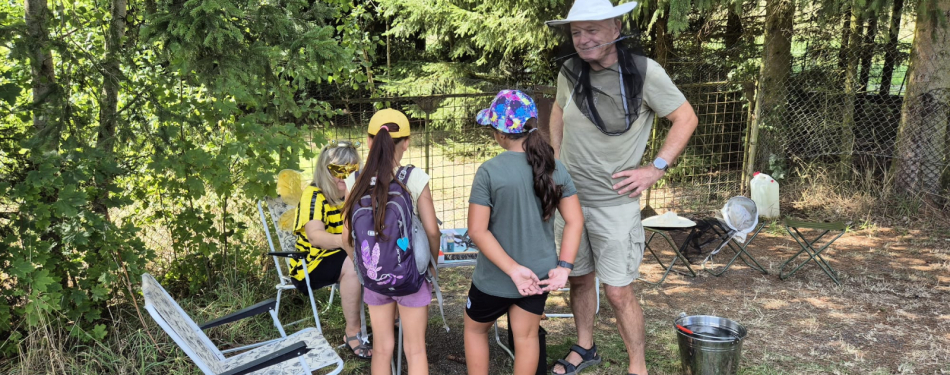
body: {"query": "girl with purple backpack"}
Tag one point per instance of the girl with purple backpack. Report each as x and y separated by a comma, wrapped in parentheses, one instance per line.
(511, 220)
(377, 232)
(319, 227)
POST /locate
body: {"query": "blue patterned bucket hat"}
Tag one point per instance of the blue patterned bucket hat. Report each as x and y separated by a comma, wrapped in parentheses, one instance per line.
(508, 112)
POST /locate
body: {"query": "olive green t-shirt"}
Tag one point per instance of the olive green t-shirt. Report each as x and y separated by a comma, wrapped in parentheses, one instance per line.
(505, 183)
(591, 156)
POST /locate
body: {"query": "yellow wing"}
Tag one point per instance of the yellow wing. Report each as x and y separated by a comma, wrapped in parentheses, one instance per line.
(289, 189)
(286, 221)
(289, 186)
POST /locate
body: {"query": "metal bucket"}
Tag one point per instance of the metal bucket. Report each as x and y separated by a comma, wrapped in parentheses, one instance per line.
(709, 345)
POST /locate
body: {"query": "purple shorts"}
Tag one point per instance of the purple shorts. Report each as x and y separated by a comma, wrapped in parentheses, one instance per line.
(418, 299)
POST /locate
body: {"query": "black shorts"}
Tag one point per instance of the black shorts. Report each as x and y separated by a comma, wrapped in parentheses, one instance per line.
(486, 308)
(326, 273)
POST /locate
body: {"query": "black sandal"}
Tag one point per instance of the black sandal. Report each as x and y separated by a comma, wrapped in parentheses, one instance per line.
(360, 350)
(589, 357)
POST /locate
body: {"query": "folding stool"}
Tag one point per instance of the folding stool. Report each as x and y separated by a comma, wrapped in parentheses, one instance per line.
(740, 250)
(676, 249)
(808, 246)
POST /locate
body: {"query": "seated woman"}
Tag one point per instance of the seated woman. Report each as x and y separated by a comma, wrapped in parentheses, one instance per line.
(318, 228)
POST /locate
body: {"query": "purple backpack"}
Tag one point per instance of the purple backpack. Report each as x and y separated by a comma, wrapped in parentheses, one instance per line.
(387, 267)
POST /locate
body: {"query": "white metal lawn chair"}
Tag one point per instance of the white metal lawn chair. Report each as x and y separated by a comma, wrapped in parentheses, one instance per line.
(297, 354)
(287, 241)
(739, 218)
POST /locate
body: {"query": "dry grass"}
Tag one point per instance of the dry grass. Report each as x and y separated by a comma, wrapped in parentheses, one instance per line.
(820, 191)
(890, 316)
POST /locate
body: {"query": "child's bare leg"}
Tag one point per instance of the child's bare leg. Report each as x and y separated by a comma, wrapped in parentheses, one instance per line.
(524, 328)
(414, 321)
(476, 346)
(382, 319)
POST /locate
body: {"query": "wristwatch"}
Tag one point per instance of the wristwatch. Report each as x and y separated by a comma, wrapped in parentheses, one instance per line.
(564, 264)
(661, 164)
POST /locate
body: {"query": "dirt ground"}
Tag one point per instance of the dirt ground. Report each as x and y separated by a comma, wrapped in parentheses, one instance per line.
(889, 316)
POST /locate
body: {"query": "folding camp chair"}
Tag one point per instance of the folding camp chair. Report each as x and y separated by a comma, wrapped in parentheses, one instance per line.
(299, 353)
(808, 246)
(740, 249)
(287, 241)
(568, 289)
(677, 249)
(739, 218)
(510, 350)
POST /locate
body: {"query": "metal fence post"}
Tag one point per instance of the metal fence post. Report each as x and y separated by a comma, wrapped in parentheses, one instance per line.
(428, 143)
(428, 105)
(752, 141)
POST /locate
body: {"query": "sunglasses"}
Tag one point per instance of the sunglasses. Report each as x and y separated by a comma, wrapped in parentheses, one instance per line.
(341, 171)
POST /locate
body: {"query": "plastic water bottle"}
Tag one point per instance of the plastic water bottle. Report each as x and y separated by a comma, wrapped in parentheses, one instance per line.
(765, 195)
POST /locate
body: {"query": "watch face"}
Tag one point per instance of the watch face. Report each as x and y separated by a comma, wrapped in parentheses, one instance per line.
(660, 164)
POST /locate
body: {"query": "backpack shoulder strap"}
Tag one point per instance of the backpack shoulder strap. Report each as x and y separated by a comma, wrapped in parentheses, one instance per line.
(434, 277)
(403, 173)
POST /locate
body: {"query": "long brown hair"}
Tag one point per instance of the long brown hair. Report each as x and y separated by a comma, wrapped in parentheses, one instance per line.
(380, 164)
(540, 157)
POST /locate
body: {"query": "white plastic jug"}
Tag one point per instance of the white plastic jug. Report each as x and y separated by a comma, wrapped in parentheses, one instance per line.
(765, 195)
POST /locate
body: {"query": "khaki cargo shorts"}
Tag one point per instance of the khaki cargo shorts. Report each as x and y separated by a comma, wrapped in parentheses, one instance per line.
(611, 243)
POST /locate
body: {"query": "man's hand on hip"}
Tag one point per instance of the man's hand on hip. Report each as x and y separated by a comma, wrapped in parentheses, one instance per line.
(636, 181)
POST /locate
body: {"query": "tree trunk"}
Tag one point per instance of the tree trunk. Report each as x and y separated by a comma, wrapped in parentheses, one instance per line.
(925, 116)
(702, 34)
(773, 76)
(733, 30)
(109, 98)
(867, 51)
(851, 52)
(845, 35)
(890, 50)
(43, 75)
(644, 22)
(663, 48)
(46, 130)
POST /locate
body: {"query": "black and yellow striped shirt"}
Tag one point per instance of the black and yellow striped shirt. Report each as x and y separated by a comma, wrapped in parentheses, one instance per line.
(314, 206)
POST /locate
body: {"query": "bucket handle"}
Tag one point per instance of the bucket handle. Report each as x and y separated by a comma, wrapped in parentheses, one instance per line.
(702, 335)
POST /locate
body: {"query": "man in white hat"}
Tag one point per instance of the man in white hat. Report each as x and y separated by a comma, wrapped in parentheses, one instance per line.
(607, 96)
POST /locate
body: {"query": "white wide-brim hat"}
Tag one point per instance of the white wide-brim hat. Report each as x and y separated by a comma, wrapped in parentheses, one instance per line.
(593, 10)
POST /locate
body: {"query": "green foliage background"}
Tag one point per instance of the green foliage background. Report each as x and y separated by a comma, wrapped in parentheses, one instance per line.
(215, 96)
(213, 100)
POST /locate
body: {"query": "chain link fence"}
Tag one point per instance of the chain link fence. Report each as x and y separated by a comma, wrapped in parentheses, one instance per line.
(448, 143)
(846, 111)
(842, 110)
(710, 170)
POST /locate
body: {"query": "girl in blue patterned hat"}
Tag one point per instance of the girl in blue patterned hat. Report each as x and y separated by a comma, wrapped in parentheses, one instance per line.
(511, 221)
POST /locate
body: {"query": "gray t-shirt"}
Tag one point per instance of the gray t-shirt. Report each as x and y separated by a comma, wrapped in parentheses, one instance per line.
(505, 183)
(592, 156)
